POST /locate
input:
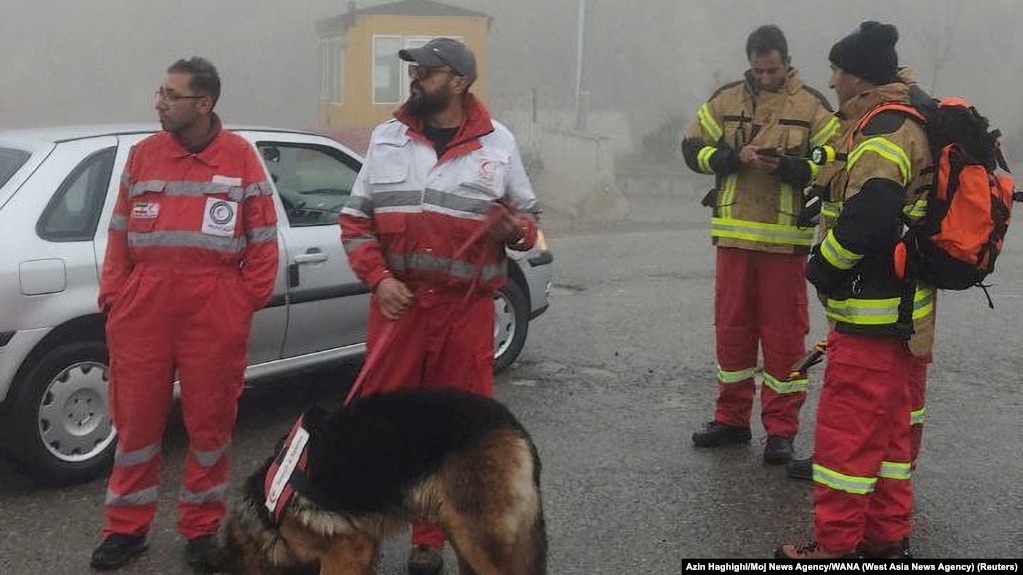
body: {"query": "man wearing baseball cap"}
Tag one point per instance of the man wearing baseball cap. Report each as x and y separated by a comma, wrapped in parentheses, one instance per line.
(439, 174)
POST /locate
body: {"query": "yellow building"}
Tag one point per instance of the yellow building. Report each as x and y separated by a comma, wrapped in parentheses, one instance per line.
(363, 80)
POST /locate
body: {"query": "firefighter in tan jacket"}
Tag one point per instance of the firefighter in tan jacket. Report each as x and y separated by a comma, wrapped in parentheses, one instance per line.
(754, 136)
(880, 325)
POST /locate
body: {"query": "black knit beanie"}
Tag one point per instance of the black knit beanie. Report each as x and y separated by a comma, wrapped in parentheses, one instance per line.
(869, 53)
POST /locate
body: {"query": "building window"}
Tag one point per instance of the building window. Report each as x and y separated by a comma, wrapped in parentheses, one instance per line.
(331, 69)
(386, 70)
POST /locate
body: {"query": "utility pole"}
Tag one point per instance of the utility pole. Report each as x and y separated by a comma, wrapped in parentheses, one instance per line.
(582, 93)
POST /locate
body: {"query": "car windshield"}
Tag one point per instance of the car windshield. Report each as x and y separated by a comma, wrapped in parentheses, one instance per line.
(10, 160)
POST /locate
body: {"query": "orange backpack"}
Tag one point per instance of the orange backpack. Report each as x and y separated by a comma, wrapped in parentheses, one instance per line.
(955, 245)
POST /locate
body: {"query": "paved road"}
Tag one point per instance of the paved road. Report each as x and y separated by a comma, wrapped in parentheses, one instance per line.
(612, 382)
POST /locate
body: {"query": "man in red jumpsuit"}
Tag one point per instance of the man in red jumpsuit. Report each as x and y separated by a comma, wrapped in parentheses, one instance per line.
(191, 255)
(434, 178)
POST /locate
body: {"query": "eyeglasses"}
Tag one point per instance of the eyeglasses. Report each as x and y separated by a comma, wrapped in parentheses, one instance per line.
(169, 96)
(422, 72)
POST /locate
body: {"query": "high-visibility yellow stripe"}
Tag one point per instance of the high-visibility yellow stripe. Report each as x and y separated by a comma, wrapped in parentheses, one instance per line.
(785, 386)
(787, 209)
(727, 198)
(814, 170)
(887, 150)
(761, 232)
(894, 470)
(842, 482)
(826, 133)
(703, 159)
(836, 254)
(831, 209)
(916, 417)
(735, 376)
(878, 311)
(708, 122)
(916, 210)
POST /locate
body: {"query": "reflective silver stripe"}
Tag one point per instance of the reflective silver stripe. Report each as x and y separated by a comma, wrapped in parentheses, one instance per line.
(462, 270)
(456, 202)
(261, 235)
(139, 188)
(893, 470)
(258, 189)
(118, 222)
(137, 457)
(210, 458)
(199, 497)
(737, 376)
(785, 386)
(186, 240)
(186, 188)
(144, 497)
(842, 482)
(352, 243)
(358, 206)
(917, 417)
(399, 198)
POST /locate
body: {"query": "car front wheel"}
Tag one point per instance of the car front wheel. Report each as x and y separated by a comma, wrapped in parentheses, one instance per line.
(60, 426)
(511, 322)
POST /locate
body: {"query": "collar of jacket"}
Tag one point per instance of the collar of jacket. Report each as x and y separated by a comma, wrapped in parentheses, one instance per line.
(793, 83)
(855, 108)
(477, 123)
(204, 150)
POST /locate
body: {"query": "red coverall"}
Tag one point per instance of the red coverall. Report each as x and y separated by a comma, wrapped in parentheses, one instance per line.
(192, 253)
(409, 214)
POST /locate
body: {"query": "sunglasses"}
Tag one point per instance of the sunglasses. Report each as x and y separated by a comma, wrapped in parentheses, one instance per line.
(422, 72)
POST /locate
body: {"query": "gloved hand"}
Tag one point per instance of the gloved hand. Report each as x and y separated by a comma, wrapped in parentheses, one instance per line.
(824, 276)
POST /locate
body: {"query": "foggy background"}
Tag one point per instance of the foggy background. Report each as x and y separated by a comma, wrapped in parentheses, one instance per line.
(648, 61)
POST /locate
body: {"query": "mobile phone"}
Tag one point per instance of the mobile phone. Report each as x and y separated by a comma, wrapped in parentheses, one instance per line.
(772, 152)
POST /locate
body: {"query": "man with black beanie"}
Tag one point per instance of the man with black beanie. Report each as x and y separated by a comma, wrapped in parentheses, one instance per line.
(880, 324)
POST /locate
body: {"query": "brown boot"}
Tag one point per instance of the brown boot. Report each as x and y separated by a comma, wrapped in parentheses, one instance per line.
(811, 550)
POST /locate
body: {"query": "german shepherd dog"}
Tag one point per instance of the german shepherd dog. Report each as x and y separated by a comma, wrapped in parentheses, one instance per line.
(456, 459)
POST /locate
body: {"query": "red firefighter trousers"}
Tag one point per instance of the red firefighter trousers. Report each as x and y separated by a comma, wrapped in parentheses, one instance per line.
(862, 452)
(195, 320)
(441, 342)
(760, 300)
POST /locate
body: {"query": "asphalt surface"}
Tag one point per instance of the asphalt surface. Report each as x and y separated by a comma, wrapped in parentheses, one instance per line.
(612, 382)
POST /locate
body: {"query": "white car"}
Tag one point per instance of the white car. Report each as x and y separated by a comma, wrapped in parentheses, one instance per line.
(57, 189)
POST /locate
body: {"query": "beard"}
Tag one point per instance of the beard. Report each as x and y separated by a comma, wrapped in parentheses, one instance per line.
(422, 104)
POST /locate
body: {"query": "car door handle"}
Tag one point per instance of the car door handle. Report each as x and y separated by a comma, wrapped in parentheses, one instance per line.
(311, 258)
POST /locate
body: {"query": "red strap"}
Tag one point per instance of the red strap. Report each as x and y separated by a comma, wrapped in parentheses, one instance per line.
(887, 106)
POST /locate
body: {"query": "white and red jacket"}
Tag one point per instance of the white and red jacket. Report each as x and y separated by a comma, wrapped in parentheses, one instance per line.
(411, 211)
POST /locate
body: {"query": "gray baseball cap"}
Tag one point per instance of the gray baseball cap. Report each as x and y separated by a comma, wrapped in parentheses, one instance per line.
(441, 52)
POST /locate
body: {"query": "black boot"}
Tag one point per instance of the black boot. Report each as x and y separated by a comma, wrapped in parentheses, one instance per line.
(716, 434)
(778, 450)
(800, 469)
(203, 554)
(898, 550)
(116, 550)
(425, 560)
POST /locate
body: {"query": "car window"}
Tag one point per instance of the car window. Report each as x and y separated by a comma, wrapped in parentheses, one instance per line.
(73, 212)
(10, 161)
(313, 181)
